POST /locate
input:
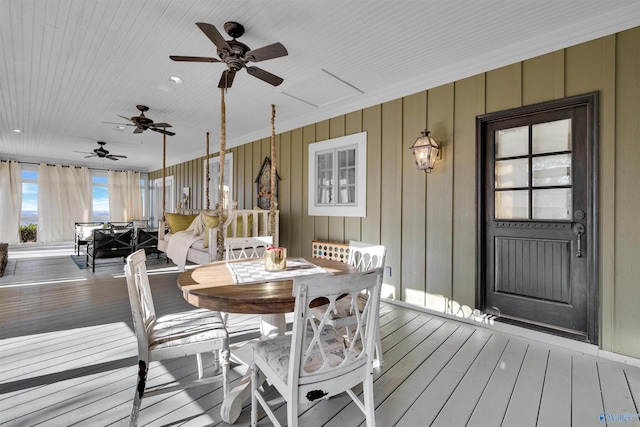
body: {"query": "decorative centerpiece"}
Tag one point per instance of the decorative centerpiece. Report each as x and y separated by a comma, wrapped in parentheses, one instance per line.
(275, 259)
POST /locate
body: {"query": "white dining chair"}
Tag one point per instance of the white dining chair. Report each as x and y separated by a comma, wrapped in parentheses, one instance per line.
(246, 247)
(365, 257)
(314, 362)
(171, 336)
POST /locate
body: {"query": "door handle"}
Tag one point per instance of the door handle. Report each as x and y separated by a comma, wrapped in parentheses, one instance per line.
(578, 230)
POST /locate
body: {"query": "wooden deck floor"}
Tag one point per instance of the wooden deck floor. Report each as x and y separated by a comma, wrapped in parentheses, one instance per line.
(68, 356)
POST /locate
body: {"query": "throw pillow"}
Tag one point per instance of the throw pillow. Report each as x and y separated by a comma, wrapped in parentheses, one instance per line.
(199, 225)
(87, 231)
(179, 222)
(210, 222)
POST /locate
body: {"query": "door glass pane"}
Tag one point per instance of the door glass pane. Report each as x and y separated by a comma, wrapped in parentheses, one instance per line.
(551, 136)
(551, 170)
(512, 173)
(512, 142)
(512, 204)
(552, 203)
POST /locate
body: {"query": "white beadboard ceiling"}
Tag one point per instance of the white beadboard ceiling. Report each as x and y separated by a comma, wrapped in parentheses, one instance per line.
(67, 66)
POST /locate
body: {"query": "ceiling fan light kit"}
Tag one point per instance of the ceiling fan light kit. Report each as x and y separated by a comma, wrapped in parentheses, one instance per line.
(236, 55)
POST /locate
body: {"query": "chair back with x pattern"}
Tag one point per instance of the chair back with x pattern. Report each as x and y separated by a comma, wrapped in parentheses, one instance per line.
(315, 362)
(366, 256)
(246, 247)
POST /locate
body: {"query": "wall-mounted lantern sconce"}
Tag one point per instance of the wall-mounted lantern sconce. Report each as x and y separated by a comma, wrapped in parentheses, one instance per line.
(425, 150)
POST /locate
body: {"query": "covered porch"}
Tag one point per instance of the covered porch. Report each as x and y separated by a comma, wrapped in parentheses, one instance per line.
(69, 358)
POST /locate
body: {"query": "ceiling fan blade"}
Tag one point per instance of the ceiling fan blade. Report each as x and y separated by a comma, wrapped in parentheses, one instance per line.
(126, 118)
(265, 75)
(119, 124)
(137, 130)
(119, 156)
(90, 155)
(161, 125)
(275, 50)
(214, 35)
(226, 80)
(193, 58)
(166, 132)
(111, 157)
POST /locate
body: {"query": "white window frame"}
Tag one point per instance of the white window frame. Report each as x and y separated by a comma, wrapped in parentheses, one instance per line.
(215, 177)
(156, 199)
(357, 209)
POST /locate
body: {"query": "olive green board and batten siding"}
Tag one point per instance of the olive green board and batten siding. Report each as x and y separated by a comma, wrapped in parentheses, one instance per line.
(427, 222)
(439, 208)
(413, 230)
(620, 187)
(469, 99)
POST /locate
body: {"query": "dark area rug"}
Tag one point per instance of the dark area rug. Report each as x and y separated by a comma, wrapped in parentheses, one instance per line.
(81, 261)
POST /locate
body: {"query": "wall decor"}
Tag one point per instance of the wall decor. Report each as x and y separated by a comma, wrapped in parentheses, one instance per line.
(263, 185)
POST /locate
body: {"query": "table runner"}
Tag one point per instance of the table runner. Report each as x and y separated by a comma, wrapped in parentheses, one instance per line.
(246, 272)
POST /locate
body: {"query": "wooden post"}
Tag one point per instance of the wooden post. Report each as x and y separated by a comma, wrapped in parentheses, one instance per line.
(223, 146)
(273, 202)
(207, 167)
(164, 172)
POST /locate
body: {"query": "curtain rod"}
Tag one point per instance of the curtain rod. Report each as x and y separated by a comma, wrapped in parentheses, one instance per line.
(69, 166)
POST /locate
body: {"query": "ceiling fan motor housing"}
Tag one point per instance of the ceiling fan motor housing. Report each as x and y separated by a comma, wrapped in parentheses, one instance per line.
(233, 58)
(142, 121)
(101, 151)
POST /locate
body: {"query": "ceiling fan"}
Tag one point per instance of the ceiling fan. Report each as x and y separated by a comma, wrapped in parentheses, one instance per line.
(102, 153)
(236, 55)
(143, 122)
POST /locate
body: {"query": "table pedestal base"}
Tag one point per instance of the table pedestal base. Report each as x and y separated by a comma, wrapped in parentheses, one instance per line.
(271, 326)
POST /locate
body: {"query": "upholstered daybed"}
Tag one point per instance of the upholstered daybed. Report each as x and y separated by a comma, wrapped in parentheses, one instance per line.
(193, 237)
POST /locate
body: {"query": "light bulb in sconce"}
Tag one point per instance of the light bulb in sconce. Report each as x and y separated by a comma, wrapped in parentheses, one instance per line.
(425, 150)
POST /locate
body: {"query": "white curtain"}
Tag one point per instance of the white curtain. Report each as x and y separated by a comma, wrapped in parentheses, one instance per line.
(64, 197)
(10, 202)
(125, 196)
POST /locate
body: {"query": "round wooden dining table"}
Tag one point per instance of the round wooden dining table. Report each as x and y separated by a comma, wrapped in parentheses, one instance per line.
(212, 286)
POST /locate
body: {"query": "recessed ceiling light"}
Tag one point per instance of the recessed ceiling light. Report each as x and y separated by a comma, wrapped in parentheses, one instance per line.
(17, 130)
(119, 127)
(176, 80)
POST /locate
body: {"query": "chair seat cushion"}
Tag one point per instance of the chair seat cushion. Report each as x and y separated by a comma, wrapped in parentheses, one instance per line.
(277, 351)
(186, 328)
